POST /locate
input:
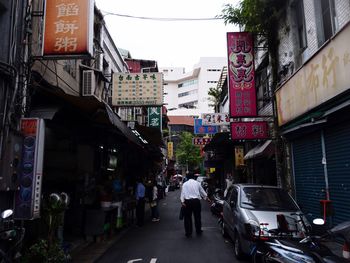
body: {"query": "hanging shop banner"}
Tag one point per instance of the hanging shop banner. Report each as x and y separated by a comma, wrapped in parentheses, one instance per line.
(170, 150)
(154, 117)
(215, 119)
(199, 128)
(27, 200)
(239, 156)
(241, 74)
(137, 89)
(68, 28)
(201, 140)
(249, 130)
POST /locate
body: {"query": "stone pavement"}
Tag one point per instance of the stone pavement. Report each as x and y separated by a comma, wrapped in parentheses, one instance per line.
(92, 251)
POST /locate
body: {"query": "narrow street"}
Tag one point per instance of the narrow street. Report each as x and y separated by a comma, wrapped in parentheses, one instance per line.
(165, 242)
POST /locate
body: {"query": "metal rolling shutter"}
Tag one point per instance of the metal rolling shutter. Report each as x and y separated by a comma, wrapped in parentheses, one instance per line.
(308, 174)
(337, 139)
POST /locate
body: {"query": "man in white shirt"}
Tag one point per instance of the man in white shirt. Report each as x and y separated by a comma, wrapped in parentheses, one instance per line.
(191, 194)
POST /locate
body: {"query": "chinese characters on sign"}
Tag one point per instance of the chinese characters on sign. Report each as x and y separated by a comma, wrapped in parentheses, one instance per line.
(201, 140)
(170, 150)
(137, 89)
(154, 117)
(201, 129)
(68, 27)
(241, 74)
(249, 130)
(215, 119)
(239, 156)
(325, 76)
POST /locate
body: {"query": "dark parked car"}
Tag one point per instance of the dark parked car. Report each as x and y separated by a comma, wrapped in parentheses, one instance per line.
(251, 210)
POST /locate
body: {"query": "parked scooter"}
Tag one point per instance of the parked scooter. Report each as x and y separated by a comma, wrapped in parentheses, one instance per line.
(11, 237)
(283, 248)
(217, 203)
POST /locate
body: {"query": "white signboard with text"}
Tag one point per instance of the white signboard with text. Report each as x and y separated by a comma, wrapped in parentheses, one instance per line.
(215, 119)
(137, 89)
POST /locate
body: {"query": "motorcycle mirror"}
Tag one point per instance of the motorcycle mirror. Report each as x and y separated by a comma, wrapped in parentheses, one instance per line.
(7, 213)
(318, 221)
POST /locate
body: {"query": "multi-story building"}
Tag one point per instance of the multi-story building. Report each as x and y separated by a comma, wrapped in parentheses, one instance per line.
(13, 82)
(186, 94)
(313, 104)
(73, 141)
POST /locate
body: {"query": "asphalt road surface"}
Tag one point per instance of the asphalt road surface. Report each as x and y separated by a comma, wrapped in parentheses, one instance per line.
(165, 241)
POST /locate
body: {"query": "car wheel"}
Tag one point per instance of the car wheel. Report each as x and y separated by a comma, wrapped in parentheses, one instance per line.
(237, 246)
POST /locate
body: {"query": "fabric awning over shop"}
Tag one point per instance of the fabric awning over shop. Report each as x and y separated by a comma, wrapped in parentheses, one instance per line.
(151, 135)
(98, 112)
(121, 125)
(260, 150)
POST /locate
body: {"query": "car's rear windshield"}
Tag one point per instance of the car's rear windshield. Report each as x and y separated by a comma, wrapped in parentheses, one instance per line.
(272, 199)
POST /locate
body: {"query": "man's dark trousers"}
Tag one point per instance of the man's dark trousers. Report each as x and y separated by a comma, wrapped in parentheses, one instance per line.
(140, 211)
(192, 206)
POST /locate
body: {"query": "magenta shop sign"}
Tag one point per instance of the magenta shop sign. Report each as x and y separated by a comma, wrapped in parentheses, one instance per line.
(241, 74)
(249, 130)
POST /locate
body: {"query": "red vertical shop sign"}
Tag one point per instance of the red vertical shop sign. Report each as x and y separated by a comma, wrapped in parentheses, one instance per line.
(241, 74)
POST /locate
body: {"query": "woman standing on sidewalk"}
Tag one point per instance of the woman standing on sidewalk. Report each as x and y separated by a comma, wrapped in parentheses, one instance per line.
(154, 203)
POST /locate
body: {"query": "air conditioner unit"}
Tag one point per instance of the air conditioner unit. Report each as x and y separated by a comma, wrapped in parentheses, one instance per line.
(89, 83)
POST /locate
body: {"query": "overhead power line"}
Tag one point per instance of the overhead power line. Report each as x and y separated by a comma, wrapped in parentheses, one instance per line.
(162, 18)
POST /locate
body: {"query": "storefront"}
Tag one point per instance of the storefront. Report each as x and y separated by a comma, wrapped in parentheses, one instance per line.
(260, 161)
(222, 160)
(321, 164)
(93, 157)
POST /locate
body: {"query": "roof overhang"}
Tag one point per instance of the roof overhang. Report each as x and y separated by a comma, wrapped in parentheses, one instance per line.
(263, 149)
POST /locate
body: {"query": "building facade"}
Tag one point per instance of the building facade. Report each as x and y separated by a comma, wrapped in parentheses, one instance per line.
(85, 149)
(313, 105)
(186, 94)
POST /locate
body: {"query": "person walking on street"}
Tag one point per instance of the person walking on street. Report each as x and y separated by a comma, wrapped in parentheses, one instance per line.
(191, 194)
(154, 203)
(140, 199)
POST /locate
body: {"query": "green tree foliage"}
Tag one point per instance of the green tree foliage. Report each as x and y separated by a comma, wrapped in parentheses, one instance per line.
(187, 153)
(214, 97)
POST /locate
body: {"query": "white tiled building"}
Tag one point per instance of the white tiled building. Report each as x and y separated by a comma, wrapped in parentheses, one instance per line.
(186, 93)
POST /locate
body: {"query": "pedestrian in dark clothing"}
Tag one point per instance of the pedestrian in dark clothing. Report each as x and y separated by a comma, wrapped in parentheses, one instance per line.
(191, 194)
(140, 199)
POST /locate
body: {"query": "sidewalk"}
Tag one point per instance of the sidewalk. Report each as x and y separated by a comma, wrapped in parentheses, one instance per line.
(91, 251)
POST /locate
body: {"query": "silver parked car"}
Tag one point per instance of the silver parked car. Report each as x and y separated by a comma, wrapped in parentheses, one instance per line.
(250, 211)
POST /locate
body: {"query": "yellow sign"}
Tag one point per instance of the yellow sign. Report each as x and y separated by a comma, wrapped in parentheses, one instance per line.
(212, 170)
(239, 156)
(170, 150)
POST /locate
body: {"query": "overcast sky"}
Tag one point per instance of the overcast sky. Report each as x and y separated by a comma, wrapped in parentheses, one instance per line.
(172, 44)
